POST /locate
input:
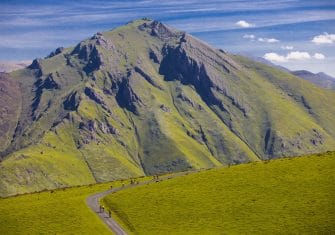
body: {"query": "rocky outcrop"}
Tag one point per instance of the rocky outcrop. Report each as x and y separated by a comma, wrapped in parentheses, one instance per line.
(40, 86)
(72, 101)
(127, 98)
(36, 65)
(103, 42)
(147, 77)
(49, 83)
(157, 29)
(89, 53)
(89, 92)
(58, 51)
(177, 64)
(195, 64)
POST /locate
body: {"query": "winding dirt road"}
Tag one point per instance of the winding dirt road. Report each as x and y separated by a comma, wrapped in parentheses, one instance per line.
(93, 201)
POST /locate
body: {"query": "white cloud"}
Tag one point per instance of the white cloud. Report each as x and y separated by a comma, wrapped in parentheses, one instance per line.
(268, 40)
(292, 56)
(243, 24)
(319, 56)
(249, 36)
(274, 57)
(287, 47)
(297, 55)
(324, 39)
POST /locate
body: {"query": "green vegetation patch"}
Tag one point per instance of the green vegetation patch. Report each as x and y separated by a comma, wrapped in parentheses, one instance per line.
(62, 211)
(281, 196)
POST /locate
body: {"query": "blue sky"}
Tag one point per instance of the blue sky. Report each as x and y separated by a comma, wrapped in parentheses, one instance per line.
(298, 34)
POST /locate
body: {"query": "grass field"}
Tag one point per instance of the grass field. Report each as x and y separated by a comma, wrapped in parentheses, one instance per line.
(294, 196)
(53, 212)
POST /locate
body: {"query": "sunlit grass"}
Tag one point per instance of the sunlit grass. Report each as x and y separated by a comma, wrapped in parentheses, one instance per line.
(280, 196)
(62, 211)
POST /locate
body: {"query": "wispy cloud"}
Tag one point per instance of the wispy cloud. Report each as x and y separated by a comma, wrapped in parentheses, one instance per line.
(244, 24)
(287, 47)
(324, 39)
(268, 40)
(249, 36)
(252, 37)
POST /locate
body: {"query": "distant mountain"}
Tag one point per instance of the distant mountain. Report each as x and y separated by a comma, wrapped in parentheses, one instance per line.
(146, 99)
(320, 79)
(9, 66)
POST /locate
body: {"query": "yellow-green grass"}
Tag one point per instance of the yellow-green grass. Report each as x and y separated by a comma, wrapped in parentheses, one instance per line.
(62, 211)
(289, 195)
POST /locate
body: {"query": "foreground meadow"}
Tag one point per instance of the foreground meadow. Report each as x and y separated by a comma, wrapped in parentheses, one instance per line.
(62, 211)
(291, 195)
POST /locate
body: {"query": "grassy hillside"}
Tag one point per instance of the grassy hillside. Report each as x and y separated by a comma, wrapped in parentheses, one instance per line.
(282, 196)
(63, 211)
(60, 212)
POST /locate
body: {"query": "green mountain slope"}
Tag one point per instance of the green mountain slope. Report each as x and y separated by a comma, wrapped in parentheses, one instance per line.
(144, 99)
(289, 195)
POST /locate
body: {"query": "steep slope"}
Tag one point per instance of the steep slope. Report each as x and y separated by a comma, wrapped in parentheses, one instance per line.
(144, 99)
(320, 79)
(10, 103)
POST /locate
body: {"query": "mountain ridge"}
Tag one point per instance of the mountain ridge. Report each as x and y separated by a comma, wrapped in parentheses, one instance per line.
(144, 99)
(321, 79)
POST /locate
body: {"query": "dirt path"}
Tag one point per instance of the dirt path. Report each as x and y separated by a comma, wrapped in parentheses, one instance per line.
(93, 202)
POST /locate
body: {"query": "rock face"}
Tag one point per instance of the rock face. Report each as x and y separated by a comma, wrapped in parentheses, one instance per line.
(9, 109)
(145, 99)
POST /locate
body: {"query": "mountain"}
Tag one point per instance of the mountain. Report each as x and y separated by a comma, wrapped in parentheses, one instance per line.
(320, 79)
(9, 66)
(145, 99)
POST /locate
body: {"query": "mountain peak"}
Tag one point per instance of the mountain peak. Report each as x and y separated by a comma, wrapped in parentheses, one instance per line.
(145, 98)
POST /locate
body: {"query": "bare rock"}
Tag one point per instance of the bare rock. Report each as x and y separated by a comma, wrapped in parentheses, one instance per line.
(89, 92)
